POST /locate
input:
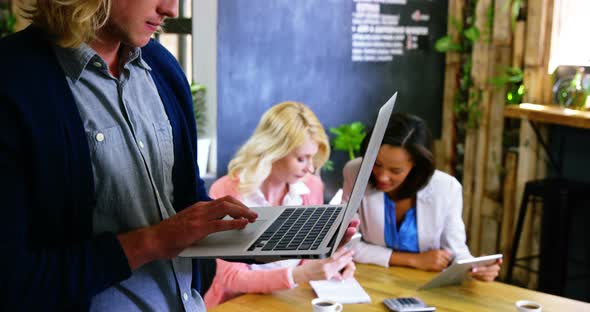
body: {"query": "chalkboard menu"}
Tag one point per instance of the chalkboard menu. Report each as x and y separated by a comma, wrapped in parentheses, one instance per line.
(343, 58)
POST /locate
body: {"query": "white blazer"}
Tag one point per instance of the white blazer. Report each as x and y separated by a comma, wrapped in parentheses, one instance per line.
(438, 213)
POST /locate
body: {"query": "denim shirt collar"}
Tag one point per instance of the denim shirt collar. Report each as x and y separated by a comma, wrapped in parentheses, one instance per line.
(74, 60)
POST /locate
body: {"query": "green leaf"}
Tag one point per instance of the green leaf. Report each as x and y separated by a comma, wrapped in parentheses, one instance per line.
(7, 20)
(348, 137)
(471, 33)
(11, 22)
(337, 131)
(198, 92)
(508, 75)
(328, 165)
(515, 10)
(446, 44)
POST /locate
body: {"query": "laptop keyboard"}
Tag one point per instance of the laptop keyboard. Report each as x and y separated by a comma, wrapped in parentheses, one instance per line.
(298, 229)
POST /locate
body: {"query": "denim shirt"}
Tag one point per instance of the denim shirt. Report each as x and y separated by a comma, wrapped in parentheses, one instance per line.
(131, 148)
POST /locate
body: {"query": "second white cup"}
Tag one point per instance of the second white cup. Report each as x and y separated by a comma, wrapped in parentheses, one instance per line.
(528, 306)
(325, 305)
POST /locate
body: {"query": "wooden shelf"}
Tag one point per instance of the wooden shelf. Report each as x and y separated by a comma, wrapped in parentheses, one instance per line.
(551, 114)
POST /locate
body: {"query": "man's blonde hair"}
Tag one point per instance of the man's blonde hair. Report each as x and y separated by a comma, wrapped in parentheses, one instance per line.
(282, 129)
(69, 22)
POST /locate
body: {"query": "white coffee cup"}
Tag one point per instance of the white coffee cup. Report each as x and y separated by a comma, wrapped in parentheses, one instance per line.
(325, 305)
(528, 306)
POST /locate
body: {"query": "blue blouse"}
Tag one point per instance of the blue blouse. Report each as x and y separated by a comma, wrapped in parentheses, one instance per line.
(406, 238)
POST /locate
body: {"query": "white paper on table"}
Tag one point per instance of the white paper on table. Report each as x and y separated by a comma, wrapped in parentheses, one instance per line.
(337, 198)
(345, 291)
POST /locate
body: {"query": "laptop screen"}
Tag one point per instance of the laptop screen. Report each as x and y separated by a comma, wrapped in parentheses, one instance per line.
(362, 178)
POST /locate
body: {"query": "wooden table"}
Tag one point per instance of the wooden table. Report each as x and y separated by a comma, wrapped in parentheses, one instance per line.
(383, 283)
(551, 114)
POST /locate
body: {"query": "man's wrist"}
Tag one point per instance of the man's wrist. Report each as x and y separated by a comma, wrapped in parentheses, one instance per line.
(140, 246)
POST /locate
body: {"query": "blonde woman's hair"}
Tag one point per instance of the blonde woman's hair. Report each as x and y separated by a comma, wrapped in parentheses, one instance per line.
(282, 129)
(69, 22)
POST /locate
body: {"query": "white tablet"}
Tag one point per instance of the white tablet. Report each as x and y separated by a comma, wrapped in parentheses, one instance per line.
(456, 273)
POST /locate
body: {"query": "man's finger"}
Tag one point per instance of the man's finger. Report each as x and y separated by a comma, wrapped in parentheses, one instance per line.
(225, 225)
(240, 211)
(231, 199)
(219, 208)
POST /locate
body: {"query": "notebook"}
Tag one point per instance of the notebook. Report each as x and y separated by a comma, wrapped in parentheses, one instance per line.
(345, 291)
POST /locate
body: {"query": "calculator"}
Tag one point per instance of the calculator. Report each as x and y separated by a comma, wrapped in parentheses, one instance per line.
(407, 304)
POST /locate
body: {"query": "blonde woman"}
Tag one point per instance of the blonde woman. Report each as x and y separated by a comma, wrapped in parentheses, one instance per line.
(276, 166)
(280, 158)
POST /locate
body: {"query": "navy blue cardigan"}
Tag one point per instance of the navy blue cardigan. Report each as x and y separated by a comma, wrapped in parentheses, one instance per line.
(49, 258)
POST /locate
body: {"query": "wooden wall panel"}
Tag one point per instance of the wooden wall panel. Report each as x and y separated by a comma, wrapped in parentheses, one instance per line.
(536, 32)
(493, 184)
(481, 48)
(447, 146)
(446, 150)
(518, 44)
(468, 177)
(490, 229)
(502, 22)
(479, 173)
(502, 58)
(455, 11)
(508, 209)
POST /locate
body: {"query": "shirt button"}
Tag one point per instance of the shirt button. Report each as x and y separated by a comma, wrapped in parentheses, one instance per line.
(100, 137)
(185, 296)
(97, 64)
(140, 144)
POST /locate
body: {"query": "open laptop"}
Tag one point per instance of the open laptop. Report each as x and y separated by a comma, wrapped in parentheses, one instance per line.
(297, 231)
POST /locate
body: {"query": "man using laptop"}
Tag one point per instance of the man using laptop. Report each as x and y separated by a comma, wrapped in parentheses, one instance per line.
(99, 183)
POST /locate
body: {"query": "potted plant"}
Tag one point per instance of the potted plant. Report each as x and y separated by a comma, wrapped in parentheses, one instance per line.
(348, 138)
(198, 92)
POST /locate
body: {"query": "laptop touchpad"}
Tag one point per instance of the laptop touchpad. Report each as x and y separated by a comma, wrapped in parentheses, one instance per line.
(235, 238)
